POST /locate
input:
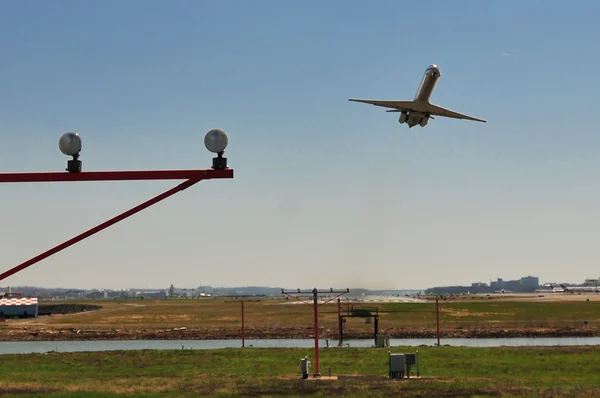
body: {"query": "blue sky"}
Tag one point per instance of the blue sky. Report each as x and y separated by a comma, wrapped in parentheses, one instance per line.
(326, 192)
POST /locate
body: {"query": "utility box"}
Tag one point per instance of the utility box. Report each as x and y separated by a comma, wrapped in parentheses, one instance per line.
(412, 359)
(304, 367)
(383, 340)
(397, 366)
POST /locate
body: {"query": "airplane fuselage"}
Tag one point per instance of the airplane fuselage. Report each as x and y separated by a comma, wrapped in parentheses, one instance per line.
(426, 87)
(430, 79)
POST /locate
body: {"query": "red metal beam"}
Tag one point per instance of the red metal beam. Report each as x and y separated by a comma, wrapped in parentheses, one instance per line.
(114, 220)
(296, 298)
(117, 175)
(330, 300)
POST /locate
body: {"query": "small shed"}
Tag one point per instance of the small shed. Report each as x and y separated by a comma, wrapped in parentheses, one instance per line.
(21, 307)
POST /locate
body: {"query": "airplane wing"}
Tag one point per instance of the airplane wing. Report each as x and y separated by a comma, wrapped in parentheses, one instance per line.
(439, 111)
(395, 105)
(433, 110)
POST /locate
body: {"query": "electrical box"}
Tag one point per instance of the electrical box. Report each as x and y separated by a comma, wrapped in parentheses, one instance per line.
(412, 359)
(304, 367)
(397, 366)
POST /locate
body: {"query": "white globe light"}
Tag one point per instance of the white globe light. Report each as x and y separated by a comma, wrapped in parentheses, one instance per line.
(216, 140)
(70, 144)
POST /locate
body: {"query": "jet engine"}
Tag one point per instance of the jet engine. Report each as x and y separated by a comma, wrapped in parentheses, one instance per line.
(424, 121)
(403, 117)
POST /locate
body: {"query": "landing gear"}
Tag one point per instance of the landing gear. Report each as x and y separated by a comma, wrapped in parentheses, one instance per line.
(403, 117)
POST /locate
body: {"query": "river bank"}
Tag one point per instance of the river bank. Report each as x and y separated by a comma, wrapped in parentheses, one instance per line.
(74, 334)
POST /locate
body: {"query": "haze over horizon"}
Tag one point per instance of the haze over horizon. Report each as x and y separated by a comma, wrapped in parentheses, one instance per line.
(303, 288)
(326, 192)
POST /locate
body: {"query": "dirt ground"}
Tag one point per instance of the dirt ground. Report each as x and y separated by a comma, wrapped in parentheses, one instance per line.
(64, 334)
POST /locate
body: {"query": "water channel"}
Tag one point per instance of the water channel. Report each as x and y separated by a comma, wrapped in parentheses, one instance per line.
(26, 347)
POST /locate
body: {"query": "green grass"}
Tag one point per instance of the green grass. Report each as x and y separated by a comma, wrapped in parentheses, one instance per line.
(446, 371)
(216, 313)
(502, 313)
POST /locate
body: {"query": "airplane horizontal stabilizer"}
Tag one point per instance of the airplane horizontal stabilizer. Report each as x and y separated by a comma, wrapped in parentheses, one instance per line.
(397, 105)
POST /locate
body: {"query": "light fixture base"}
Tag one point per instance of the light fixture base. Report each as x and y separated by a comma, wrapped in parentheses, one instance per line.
(74, 165)
(219, 163)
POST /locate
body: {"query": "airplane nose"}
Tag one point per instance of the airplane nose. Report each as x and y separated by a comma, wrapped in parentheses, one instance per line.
(433, 69)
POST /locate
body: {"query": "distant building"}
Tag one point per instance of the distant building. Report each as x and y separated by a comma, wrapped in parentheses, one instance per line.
(524, 285)
(591, 282)
(532, 282)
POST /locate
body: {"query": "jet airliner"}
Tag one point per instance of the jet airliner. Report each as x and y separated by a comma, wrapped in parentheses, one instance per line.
(420, 110)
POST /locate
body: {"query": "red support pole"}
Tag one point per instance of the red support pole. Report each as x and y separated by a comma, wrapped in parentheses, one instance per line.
(315, 294)
(316, 314)
(340, 322)
(243, 331)
(437, 313)
(90, 232)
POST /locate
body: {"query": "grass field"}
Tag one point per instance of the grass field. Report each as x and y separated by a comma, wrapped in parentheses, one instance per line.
(445, 371)
(278, 318)
(215, 313)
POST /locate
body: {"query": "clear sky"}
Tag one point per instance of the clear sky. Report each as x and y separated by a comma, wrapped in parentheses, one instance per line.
(327, 192)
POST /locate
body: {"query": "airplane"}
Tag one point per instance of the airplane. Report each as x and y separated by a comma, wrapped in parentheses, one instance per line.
(420, 110)
(550, 288)
(580, 289)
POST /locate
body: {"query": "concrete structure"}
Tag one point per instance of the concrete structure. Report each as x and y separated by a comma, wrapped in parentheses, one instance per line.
(524, 285)
(591, 282)
(18, 307)
(527, 284)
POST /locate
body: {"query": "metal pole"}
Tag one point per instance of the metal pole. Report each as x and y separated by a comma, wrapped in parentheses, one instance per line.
(376, 327)
(315, 294)
(437, 313)
(90, 232)
(417, 355)
(243, 330)
(339, 322)
(316, 315)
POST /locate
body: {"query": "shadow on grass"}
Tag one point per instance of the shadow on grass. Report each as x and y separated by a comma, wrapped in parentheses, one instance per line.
(350, 387)
(11, 391)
